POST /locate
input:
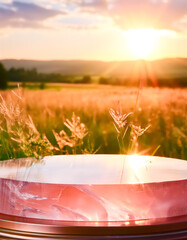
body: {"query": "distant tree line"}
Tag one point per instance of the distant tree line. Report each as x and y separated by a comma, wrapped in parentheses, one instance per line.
(160, 82)
(23, 75)
(32, 76)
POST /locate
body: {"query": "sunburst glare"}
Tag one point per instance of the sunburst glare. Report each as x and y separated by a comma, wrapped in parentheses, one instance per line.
(142, 42)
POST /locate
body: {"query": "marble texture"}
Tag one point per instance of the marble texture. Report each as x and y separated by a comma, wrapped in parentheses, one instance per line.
(93, 188)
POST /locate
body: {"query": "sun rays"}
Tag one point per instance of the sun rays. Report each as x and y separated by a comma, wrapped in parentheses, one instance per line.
(142, 42)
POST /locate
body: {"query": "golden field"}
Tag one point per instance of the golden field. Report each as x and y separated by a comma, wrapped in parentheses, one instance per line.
(164, 109)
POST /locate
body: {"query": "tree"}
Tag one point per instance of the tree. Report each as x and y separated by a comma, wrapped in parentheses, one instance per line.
(86, 79)
(3, 77)
(42, 85)
(103, 80)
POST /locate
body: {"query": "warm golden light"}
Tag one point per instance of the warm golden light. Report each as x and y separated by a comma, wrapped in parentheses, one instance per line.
(142, 42)
(136, 162)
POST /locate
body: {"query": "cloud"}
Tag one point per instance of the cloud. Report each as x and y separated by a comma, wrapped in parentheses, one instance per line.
(159, 14)
(95, 6)
(125, 14)
(86, 21)
(128, 14)
(25, 15)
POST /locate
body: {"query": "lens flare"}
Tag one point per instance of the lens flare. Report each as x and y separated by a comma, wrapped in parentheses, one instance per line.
(142, 42)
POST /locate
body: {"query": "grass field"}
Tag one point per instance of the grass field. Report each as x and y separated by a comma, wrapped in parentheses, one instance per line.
(165, 110)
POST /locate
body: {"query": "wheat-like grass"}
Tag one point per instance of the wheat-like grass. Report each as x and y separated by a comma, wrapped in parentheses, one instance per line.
(78, 131)
(164, 108)
(21, 132)
(19, 127)
(136, 132)
(121, 125)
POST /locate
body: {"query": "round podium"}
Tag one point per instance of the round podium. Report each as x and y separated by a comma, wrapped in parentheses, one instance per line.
(93, 197)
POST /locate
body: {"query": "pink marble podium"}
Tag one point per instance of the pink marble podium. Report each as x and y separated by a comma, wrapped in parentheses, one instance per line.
(94, 188)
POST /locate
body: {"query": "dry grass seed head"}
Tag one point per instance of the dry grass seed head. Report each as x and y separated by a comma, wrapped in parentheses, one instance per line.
(19, 126)
(78, 132)
(119, 118)
(138, 131)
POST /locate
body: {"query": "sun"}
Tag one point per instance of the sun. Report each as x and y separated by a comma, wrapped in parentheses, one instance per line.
(142, 42)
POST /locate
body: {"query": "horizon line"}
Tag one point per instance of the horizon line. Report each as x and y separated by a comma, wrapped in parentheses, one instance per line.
(93, 60)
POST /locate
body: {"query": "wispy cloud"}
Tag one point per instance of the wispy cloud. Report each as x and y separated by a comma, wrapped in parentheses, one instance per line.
(125, 14)
(128, 14)
(160, 14)
(25, 15)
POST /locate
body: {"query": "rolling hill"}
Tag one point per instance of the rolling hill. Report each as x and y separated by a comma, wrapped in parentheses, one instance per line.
(165, 68)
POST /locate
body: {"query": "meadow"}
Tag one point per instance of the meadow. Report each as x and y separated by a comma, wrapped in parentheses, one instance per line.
(163, 109)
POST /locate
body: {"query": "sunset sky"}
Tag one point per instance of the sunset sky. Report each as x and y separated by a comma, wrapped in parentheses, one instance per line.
(93, 29)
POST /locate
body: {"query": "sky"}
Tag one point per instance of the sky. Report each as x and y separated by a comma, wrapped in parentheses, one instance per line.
(106, 30)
